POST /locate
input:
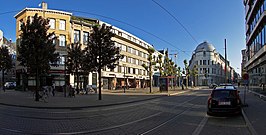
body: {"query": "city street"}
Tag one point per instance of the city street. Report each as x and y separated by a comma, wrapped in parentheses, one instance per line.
(179, 114)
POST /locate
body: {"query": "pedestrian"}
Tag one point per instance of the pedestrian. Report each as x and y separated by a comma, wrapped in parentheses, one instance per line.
(53, 89)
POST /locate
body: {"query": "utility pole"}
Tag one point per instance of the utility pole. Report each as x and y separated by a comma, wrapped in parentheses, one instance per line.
(175, 57)
(225, 70)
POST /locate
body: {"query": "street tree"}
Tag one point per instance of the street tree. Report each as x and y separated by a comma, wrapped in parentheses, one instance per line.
(194, 73)
(36, 51)
(186, 72)
(160, 64)
(75, 61)
(149, 67)
(178, 75)
(101, 51)
(5, 62)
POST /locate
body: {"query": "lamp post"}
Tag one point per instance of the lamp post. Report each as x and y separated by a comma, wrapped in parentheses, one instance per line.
(124, 65)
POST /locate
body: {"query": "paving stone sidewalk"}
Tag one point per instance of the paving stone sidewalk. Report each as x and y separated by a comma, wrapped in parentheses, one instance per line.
(109, 97)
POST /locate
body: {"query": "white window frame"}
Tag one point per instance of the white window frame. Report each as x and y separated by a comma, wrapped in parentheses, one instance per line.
(52, 23)
(62, 40)
(62, 25)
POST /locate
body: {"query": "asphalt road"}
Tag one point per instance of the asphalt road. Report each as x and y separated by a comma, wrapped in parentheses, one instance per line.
(183, 114)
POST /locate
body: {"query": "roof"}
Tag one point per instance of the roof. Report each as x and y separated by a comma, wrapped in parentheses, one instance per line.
(41, 10)
(205, 46)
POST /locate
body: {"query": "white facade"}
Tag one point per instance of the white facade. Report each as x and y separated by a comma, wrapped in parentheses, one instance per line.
(210, 64)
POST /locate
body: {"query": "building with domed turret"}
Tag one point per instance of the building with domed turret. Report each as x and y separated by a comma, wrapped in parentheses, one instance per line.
(210, 65)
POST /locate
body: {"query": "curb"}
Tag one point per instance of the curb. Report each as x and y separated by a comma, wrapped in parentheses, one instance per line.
(83, 107)
(261, 96)
(249, 125)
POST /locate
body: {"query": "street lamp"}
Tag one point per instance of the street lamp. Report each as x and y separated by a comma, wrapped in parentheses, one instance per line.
(124, 65)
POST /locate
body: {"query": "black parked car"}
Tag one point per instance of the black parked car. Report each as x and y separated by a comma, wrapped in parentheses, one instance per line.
(224, 100)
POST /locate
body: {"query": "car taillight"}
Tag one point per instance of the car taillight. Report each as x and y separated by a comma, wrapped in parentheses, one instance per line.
(209, 100)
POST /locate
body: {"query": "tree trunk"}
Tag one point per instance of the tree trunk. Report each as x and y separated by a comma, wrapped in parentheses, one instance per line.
(3, 80)
(100, 84)
(37, 86)
(186, 82)
(77, 88)
(150, 83)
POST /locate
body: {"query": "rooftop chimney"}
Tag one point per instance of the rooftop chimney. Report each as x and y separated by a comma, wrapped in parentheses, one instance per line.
(44, 5)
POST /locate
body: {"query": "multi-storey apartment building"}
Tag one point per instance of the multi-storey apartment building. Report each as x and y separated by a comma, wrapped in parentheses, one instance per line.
(210, 64)
(72, 29)
(244, 60)
(60, 24)
(255, 18)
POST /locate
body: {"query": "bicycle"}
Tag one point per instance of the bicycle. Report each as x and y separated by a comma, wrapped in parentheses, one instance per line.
(43, 94)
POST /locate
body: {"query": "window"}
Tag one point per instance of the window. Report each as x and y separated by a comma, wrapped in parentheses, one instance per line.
(76, 36)
(134, 71)
(204, 54)
(62, 25)
(133, 51)
(140, 72)
(128, 59)
(119, 69)
(128, 69)
(133, 61)
(140, 53)
(124, 48)
(129, 37)
(137, 61)
(200, 62)
(208, 62)
(129, 49)
(119, 33)
(85, 38)
(52, 23)
(124, 59)
(61, 60)
(62, 40)
(204, 62)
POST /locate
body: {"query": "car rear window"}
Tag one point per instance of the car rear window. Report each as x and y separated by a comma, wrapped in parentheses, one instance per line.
(224, 94)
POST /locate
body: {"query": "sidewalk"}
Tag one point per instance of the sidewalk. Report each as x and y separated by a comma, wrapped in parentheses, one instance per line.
(255, 112)
(109, 97)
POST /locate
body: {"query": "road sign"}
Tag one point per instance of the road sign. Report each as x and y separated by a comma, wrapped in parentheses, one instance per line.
(245, 76)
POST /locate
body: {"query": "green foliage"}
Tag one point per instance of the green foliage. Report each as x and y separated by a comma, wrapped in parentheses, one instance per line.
(5, 62)
(186, 71)
(36, 51)
(150, 66)
(101, 51)
(160, 62)
(75, 61)
(5, 59)
(75, 58)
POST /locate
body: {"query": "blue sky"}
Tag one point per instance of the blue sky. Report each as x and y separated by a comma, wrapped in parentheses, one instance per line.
(206, 20)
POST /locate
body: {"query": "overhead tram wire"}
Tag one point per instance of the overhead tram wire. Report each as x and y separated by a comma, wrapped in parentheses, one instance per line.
(110, 18)
(176, 20)
(3, 13)
(113, 20)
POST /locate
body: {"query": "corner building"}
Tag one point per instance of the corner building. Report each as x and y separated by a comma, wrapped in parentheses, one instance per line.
(210, 64)
(71, 29)
(255, 18)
